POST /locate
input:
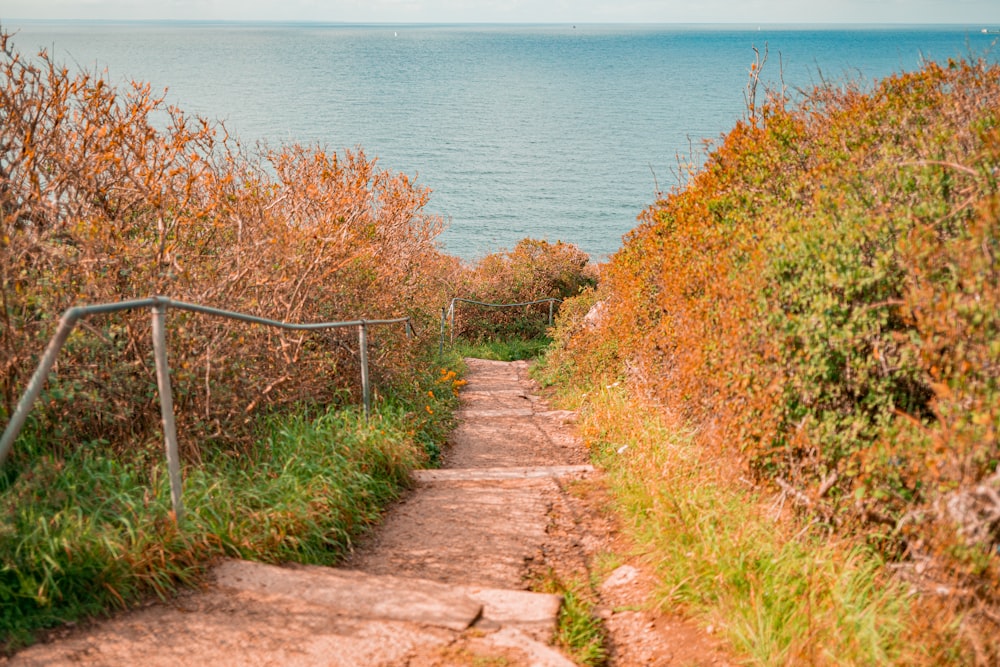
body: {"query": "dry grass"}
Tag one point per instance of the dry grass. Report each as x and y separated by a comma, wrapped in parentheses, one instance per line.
(780, 591)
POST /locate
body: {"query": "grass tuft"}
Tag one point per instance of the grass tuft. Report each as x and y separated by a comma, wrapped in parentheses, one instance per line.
(508, 349)
(579, 631)
(730, 557)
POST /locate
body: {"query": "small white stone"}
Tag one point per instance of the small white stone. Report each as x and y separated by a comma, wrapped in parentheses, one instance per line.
(623, 575)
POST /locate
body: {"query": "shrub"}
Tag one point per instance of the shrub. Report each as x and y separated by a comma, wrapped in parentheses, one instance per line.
(531, 271)
(109, 194)
(821, 300)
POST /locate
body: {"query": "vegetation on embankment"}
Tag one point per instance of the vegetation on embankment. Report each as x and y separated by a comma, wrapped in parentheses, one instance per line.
(531, 271)
(110, 194)
(818, 309)
(503, 349)
(89, 530)
(729, 556)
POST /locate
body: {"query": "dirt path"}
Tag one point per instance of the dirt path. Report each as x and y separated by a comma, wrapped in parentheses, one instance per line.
(444, 581)
(484, 516)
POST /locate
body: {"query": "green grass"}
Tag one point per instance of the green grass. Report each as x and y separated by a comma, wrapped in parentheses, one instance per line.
(85, 532)
(579, 631)
(780, 592)
(509, 349)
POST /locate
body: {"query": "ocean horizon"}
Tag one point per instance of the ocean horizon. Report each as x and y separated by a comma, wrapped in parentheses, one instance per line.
(558, 131)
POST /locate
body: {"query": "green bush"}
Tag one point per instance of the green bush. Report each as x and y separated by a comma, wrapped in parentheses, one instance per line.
(820, 301)
(532, 271)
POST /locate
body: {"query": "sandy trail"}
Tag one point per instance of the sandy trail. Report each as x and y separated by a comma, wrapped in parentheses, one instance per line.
(444, 580)
(441, 582)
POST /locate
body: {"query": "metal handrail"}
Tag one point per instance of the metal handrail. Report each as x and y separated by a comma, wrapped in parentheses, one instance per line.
(450, 315)
(159, 306)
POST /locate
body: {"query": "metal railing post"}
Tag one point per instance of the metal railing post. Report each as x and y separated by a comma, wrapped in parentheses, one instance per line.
(552, 301)
(441, 343)
(365, 388)
(167, 408)
(66, 324)
(451, 314)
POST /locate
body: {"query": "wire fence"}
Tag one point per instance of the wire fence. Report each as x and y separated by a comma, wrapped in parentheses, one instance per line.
(448, 315)
(158, 305)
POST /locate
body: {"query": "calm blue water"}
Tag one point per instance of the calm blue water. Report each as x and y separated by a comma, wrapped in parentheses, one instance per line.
(554, 131)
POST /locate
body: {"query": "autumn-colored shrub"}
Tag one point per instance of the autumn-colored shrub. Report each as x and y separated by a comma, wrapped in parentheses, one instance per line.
(109, 194)
(532, 270)
(821, 300)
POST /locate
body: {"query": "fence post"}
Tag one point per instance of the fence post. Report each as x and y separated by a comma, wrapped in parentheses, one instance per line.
(451, 313)
(66, 324)
(551, 304)
(167, 408)
(365, 388)
(441, 341)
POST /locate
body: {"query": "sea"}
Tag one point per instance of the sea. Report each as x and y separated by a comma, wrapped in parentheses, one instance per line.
(559, 132)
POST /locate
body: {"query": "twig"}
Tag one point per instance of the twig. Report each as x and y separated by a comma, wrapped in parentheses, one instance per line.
(828, 483)
(939, 163)
(796, 495)
(94, 330)
(267, 390)
(208, 385)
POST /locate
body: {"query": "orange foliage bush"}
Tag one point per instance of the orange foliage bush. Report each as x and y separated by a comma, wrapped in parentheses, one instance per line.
(110, 194)
(531, 271)
(822, 300)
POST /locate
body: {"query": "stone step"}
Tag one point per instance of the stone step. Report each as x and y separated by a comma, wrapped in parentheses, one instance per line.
(308, 616)
(499, 413)
(360, 595)
(488, 474)
(499, 390)
(356, 594)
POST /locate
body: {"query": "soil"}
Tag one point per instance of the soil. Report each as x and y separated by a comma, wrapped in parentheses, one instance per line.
(445, 580)
(584, 532)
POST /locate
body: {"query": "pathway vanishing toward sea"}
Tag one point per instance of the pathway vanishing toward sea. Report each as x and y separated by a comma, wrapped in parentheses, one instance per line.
(442, 581)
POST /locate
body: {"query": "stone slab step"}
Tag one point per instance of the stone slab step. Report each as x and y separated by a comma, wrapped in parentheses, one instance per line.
(384, 597)
(500, 390)
(534, 615)
(356, 594)
(307, 616)
(489, 474)
(502, 413)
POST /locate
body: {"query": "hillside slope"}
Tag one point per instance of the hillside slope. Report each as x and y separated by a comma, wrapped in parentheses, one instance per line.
(821, 303)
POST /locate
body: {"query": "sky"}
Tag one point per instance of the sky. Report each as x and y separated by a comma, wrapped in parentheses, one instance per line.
(966, 12)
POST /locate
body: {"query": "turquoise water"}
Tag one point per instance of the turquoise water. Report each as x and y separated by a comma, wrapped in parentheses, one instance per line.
(552, 131)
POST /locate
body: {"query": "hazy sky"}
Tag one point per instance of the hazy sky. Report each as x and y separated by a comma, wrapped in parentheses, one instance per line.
(968, 12)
